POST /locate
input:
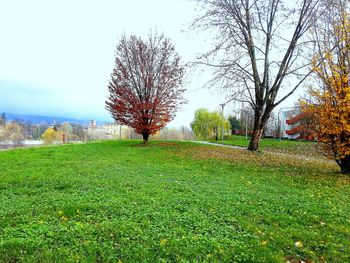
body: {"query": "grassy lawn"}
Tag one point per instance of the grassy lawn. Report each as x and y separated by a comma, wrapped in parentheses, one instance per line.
(170, 202)
(284, 146)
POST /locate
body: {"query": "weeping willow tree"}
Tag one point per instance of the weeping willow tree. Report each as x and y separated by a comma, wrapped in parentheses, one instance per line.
(207, 124)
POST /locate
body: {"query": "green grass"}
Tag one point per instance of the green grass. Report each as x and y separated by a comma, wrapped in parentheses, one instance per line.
(169, 202)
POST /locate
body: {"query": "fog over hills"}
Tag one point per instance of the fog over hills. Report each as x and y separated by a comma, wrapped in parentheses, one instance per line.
(36, 119)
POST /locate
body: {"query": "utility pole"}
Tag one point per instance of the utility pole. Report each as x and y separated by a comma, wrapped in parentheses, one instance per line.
(244, 114)
(246, 127)
(222, 122)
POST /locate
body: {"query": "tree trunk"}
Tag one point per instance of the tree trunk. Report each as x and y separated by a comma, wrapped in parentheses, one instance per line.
(260, 121)
(345, 165)
(255, 139)
(145, 137)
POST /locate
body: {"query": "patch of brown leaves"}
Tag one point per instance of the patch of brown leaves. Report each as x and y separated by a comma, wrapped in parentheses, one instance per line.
(298, 164)
(168, 144)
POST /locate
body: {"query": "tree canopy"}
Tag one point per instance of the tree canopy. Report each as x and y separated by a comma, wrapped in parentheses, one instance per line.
(234, 123)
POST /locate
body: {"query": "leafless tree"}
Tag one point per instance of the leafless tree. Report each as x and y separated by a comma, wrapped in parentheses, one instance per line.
(274, 126)
(259, 56)
(174, 134)
(246, 120)
(14, 133)
(2, 119)
(326, 40)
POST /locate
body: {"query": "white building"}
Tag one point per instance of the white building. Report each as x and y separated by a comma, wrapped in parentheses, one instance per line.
(287, 114)
(107, 131)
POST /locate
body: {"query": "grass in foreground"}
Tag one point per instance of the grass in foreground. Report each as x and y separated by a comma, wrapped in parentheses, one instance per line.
(114, 201)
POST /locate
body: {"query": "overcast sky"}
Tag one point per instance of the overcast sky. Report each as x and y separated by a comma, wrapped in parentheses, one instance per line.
(56, 56)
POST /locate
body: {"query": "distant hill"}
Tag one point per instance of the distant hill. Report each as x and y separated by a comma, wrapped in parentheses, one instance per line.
(36, 119)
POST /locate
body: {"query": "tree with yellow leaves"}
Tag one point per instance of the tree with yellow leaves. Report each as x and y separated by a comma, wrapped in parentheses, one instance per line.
(329, 105)
(51, 135)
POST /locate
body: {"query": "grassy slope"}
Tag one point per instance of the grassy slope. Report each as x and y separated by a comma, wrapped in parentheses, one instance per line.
(115, 201)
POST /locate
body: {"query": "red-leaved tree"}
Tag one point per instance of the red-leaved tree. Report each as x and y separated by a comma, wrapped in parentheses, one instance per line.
(146, 86)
